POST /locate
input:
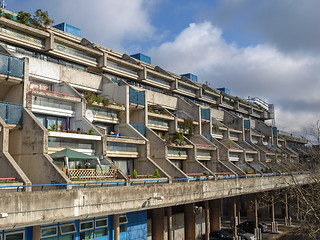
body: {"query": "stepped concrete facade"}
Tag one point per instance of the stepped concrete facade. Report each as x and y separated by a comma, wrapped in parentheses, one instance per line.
(155, 155)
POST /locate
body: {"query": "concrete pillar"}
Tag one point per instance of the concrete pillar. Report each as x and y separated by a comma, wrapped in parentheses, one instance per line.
(233, 219)
(207, 220)
(116, 223)
(257, 230)
(274, 225)
(298, 209)
(215, 214)
(250, 207)
(287, 219)
(158, 224)
(238, 209)
(189, 222)
(169, 223)
(36, 233)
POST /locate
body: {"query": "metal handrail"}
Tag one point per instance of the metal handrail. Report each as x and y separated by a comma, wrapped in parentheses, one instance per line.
(149, 181)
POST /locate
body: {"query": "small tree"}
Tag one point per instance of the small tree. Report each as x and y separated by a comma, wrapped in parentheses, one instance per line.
(24, 17)
(42, 17)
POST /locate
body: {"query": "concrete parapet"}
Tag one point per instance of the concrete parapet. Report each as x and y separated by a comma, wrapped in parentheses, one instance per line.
(29, 147)
(37, 207)
(8, 166)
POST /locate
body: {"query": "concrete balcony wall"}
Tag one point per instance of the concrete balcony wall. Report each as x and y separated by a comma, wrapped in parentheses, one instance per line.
(217, 114)
(264, 128)
(158, 154)
(224, 158)
(29, 147)
(80, 78)
(117, 93)
(8, 166)
(190, 109)
(163, 100)
(42, 69)
(192, 164)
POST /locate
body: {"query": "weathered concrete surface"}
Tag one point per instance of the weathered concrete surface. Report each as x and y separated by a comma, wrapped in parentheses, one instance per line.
(27, 208)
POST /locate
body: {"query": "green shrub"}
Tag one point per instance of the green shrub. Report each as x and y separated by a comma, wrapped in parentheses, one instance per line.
(105, 101)
(24, 17)
(135, 174)
(90, 131)
(247, 171)
(255, 170)
(215, 127)
(156, 174)
(148, 175)
(8, 15)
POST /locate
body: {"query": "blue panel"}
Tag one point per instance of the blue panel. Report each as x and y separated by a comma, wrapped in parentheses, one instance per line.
(137, 227)
(141, 128)
(275, 131)
(205, 114)
(137, 97)
(11, 66)
(226, 90)
(68, 29)
(11, 113)
(207, 136)
(190, 76)
(29, 233)
(142, 57)
(247, 124)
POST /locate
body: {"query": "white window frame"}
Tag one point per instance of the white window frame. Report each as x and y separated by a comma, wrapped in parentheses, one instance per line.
(87, 229)
(100, 227)
(125, 222)
(65, 224)
(17, 232)
(57, 232)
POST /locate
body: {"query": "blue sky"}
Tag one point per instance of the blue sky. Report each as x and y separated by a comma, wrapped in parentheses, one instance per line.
(264, 48)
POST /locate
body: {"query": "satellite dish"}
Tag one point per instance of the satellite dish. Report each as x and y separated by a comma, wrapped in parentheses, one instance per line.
(89, 115)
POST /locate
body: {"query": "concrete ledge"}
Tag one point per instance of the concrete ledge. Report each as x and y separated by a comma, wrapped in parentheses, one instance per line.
(36, 208)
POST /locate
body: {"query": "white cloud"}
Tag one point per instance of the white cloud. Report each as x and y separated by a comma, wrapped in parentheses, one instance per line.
(291, 82)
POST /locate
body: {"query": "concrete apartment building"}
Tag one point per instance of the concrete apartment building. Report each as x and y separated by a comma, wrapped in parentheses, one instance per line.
(74, 112)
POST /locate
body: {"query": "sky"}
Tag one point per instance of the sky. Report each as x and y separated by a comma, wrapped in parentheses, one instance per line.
(260, 48)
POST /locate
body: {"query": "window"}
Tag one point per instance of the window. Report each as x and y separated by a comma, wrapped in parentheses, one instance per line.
(123, 220)
(14, 236)
(68, 228)
(123, 228)
(51, 121)
(86, 225)
(49, 231)
(86, 230)
(101, 227)
(101, 223)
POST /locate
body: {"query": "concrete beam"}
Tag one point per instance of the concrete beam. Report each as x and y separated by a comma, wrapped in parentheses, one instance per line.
(34, 208)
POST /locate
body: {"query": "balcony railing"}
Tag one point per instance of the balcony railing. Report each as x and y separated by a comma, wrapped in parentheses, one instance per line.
(137, 97)
(11, 66)
(121, 147)
(11, 113)
(91, 173)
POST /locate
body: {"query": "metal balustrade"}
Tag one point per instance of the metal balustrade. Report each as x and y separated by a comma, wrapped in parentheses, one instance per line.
(11, 66)
(205, 114)
(18, 188)
(137, 97)
(11, 113)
